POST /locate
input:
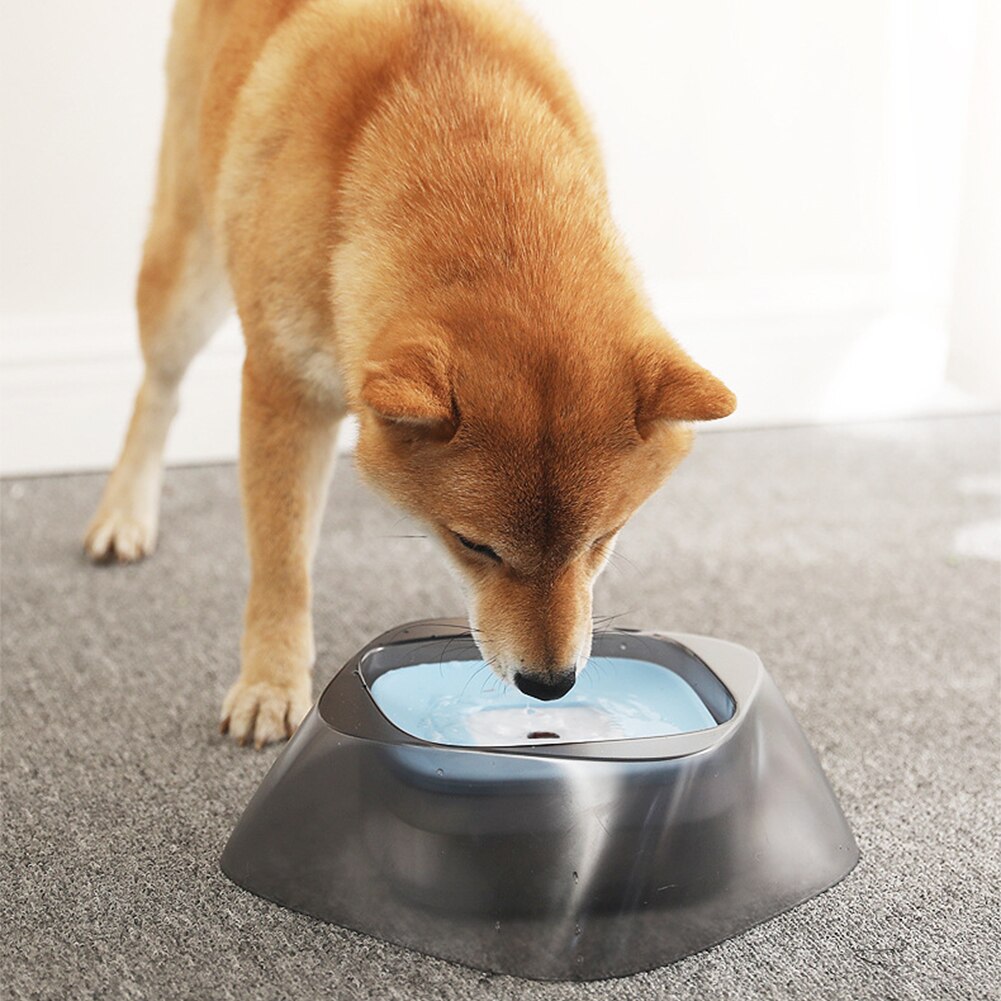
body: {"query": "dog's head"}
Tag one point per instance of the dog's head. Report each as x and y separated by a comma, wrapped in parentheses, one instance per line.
(526, 457)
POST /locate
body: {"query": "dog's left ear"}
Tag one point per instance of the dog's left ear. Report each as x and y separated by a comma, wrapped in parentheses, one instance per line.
(411, 384)
(670, 386)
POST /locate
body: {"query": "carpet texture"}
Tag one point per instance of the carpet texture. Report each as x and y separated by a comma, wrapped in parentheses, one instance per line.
(860, 562)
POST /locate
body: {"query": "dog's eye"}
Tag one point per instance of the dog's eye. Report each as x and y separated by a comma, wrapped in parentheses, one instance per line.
(478, 547)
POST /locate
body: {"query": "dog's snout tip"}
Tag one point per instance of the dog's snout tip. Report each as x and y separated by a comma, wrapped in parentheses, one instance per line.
(546, 689)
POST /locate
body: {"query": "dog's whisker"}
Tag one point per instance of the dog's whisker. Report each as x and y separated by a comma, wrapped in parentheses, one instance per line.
(615, 559)
(475, 673)
(605, 619)
(445, 649)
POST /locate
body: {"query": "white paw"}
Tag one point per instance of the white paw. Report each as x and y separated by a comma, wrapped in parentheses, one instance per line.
(263, 711)
(118, 533)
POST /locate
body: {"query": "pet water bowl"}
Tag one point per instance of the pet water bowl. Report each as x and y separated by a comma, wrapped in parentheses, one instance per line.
(668, 802)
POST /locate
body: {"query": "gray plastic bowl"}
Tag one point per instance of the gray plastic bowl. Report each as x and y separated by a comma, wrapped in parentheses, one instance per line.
(545, 856)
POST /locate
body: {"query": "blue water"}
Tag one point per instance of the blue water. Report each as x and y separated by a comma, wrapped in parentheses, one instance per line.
(461, 702)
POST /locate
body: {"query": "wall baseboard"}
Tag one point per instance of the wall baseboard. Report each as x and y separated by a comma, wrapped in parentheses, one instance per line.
(795, 350)
(67, 385)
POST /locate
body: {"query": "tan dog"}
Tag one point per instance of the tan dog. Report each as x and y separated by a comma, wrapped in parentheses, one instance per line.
(406, 202)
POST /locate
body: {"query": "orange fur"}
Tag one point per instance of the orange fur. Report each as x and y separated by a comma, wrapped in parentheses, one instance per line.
(408, 203)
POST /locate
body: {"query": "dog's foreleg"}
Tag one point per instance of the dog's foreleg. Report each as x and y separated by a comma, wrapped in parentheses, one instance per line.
(287, 444)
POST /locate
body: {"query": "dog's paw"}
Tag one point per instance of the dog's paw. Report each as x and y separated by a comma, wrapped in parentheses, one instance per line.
(118, 533)
(262, 711)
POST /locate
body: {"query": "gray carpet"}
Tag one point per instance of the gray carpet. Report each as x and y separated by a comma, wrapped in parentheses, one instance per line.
(854, 559)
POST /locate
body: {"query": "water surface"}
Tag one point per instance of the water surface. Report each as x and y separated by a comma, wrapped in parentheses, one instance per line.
(461, 702)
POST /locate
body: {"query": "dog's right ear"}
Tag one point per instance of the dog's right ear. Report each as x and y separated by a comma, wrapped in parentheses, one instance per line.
(409, 383)
(670, 386)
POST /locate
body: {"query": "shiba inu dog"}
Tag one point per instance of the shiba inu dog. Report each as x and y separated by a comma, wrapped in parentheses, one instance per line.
(406, 202)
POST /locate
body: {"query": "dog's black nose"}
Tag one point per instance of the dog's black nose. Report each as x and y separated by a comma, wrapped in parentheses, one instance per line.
(554, 688)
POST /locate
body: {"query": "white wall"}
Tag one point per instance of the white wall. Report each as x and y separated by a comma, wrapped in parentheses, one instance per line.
(788, 175)
(81, 100)
(975, 346)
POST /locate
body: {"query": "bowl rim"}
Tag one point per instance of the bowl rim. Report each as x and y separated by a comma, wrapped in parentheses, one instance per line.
(347, 704)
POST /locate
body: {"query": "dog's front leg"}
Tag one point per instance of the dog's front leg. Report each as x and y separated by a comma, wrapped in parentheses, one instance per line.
(286, 446)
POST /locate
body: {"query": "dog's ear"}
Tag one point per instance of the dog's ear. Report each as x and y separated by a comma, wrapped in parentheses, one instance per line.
(410, 384)
(670, 386)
